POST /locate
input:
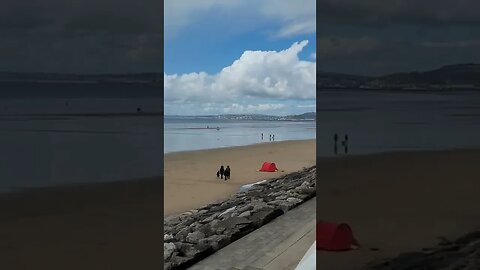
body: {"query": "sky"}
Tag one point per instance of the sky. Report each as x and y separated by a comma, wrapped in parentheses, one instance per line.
(378, 37)
(81, 36)
(239, 56)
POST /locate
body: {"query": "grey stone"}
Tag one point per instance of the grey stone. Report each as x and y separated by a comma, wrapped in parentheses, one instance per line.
(245, 214)
(182, 234)
(167, 238)
(234, 221)
(263, 217)
(215, 241)
(294, 200)
(211, 217)
(195, 237)
(168, 249)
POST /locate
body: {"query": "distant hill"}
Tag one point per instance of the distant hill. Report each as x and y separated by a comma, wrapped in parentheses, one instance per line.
(461, 76)
(338, 80)
(310, 116)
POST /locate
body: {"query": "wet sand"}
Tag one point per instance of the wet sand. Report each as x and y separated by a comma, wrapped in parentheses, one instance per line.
(398, 202)
(191, 181)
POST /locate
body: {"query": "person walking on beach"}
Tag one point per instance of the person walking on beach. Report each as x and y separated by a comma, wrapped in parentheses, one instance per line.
(218, 174)
(222, 171)
(273, 137)
(345, 143)
(262, 136)
(335, 140)
(227, 173)
(270, 137)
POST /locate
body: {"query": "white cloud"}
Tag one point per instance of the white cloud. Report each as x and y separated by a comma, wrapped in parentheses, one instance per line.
(307, 106)
(313, 56)
(252, 108)
(295, 16)
(279, 75)
(298, 16)
(179, 13)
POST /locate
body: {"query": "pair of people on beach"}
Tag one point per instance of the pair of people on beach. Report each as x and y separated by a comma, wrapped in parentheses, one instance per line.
(344, 143)
(224, 172)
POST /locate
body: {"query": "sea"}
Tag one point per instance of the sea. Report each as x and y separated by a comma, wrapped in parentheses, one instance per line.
(72, 134)
(384, 121)
(198, 134)
(60, 134)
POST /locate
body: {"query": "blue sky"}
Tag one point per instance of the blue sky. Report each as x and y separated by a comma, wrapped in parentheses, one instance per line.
(239, 56)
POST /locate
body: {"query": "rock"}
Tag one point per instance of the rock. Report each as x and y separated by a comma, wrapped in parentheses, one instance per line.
(211, 218)
(182, 234)
(233, 222)
(194, 234)
(168, 249)
(263, 217)
(195, 237)
(177, 260)
(167, 229)
(294, 200)
(172, 220)
(247, 207)
(206, 229)
(188, 221)
(245, 214)
(305, 190)
(259, 205)
(167, 238)
(202, 212)
(187, 249)
(215, 241)
(227, 211)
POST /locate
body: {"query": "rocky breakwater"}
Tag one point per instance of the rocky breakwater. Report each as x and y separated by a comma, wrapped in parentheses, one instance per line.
(463, 253)
(193, 235)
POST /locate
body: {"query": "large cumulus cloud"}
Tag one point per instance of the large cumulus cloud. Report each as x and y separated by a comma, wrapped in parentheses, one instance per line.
(277, 75)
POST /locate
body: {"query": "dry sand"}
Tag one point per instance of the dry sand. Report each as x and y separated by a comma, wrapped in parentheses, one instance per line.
(102, 226)
(191, 181)
(398, 202)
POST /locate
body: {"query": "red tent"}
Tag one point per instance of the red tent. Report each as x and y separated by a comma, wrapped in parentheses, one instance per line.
(335, 237)
(268, 167)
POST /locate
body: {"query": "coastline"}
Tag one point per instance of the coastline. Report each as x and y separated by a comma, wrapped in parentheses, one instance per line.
(190, 180)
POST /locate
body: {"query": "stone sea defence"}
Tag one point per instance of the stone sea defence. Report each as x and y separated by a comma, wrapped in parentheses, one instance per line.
(463, 253)
(193, 235)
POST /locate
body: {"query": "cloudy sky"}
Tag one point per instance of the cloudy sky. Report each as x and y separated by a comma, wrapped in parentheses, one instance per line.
(81, 36)
(375, 37)
(239, 56)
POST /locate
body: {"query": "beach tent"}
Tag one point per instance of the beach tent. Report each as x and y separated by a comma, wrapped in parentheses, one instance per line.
(335, 237)
(268, 167)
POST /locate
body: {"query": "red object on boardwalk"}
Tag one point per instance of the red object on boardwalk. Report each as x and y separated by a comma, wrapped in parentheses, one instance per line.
(335, 237)
(268, 167)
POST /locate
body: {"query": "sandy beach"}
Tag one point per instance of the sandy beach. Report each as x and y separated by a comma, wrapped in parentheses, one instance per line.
(190, 180)
(99, 226)
(398, 202)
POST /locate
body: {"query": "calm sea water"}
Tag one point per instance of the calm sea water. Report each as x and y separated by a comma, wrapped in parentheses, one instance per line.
(377, 121)
(183, 135)
(44, 150)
